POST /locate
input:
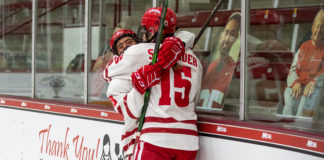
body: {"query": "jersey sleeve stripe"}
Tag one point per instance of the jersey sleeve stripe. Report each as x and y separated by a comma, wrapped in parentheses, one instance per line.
(105, 75)
(119, 110)
(114, 102)
(129, 145)
(127, 134)
(127, 109)
(170, 130)
(169, 120)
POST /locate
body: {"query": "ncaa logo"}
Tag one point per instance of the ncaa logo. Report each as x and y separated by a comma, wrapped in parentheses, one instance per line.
(311, 144)
(221, 129)
(266, 135)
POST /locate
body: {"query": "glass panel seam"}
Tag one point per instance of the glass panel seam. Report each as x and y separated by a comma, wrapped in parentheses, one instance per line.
(34, 41)
(87, 50)
(244, 32)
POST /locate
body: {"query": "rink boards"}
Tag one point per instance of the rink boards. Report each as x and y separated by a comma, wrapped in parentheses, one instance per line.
(38, 130)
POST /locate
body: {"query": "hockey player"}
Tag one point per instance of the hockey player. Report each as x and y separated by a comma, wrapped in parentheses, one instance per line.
(170, 130)
(121, 40)
(306, 74)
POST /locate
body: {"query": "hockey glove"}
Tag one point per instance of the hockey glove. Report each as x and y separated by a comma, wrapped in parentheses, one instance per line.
(172, 49)
(146, 77)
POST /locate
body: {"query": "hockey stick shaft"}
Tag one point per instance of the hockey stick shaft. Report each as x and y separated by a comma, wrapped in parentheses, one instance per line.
(207, 22)
(154, 58)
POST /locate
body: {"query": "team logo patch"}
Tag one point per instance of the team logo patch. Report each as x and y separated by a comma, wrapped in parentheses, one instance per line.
(166, 23)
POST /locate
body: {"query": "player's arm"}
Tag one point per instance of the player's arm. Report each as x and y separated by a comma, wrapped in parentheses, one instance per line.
(186, 37)
(127, 102)
(124, 98)
(132, 59)
(149, 75)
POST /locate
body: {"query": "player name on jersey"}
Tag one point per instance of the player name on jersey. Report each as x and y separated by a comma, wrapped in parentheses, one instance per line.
(187, 58)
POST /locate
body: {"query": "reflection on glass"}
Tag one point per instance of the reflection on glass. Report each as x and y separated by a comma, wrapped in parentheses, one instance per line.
(15, 43)
(281, 3)
(114, 17)
(268, 60)
(192, 6)
(59, 56)
(220, 71)
(286, 64)
(306, 75)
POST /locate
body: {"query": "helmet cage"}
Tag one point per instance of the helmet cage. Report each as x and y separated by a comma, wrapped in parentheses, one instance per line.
(146, 36)
(150, 24)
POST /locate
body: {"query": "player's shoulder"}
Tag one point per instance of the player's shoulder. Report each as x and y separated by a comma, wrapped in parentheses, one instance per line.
(138, 48)
(187, 37)
(191, 52)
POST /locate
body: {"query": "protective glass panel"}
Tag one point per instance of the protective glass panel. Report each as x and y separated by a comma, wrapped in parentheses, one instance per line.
(15, 48)
(109, 17)
(218, 49)
(286, 63)
(60, 51)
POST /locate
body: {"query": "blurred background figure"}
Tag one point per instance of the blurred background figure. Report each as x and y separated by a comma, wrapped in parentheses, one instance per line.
(220, 72)
(305, 79)
(7, 60)
(77, 63)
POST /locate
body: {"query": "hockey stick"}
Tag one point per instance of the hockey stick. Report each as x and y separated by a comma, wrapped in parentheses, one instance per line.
(154, 58)
(207, 22)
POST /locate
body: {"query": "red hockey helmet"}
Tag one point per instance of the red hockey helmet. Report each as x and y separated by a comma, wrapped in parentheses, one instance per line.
(151, 20)
(118, 35)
